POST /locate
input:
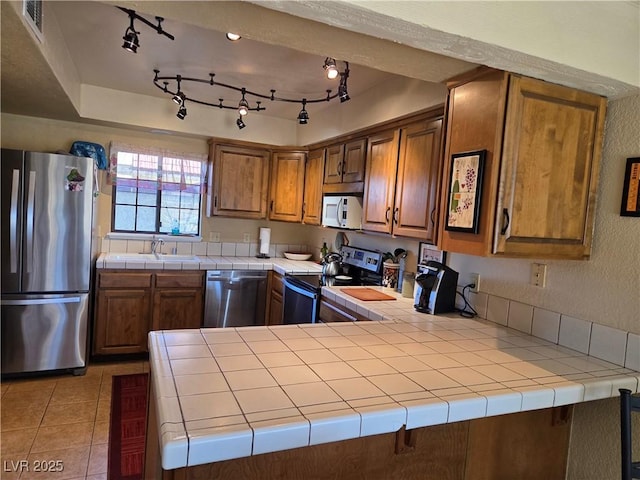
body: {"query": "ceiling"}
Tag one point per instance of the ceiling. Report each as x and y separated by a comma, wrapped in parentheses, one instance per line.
(93, 32)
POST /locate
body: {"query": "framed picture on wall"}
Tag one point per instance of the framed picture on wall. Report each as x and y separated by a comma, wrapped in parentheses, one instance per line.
(465, 188)
(631, 189)
(428, 252)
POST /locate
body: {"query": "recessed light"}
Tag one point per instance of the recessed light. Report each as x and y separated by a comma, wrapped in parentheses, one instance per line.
(233, 36)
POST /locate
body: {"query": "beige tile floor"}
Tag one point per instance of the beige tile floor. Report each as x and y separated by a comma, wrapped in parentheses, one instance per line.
(63, 419)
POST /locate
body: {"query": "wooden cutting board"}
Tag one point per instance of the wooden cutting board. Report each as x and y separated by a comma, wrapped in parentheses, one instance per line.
(367, 294)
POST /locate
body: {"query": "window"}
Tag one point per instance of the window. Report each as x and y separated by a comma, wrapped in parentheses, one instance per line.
(155, 191)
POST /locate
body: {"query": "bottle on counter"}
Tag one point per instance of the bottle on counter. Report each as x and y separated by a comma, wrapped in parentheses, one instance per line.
(324, 250)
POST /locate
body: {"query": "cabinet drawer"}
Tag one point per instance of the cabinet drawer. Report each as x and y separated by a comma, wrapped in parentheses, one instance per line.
(332, 312)
(180, 280)
(124, 280)
(277, 284)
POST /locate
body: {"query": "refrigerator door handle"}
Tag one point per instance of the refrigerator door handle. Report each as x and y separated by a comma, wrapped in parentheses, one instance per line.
(41, 301)
(13, 222)
(30, 218)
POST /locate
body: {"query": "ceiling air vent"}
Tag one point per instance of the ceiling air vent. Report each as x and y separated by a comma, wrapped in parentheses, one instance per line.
(32, 11)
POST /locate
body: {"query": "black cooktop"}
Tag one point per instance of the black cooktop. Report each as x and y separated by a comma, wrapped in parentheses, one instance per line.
(317, 281)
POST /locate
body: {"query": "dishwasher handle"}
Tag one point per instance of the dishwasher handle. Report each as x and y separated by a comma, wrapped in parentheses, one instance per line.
(301, 291)
(215, 276)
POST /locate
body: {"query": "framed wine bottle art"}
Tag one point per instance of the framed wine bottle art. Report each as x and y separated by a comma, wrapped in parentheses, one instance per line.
(465, 188)
(631, 189)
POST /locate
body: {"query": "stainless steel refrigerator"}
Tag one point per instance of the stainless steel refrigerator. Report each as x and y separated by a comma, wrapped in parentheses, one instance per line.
(47, 217)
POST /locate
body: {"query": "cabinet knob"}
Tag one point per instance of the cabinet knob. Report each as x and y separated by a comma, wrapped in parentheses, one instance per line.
(506, 221)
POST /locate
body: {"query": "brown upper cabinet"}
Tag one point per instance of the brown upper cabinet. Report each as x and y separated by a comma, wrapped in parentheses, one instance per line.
(287, 185)
(344, 167)
(312, 203)
(238, 180)
(543, 145)
(402, 177)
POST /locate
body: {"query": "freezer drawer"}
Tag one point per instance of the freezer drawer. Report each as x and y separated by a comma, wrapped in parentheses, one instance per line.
(44, 332)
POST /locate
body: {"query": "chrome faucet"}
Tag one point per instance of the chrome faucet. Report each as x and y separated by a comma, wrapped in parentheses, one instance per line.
(157, 245)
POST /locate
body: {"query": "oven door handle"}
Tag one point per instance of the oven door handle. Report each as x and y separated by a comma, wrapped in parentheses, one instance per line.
(299, 290)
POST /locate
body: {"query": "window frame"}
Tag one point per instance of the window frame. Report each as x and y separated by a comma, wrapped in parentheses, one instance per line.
(161, 154)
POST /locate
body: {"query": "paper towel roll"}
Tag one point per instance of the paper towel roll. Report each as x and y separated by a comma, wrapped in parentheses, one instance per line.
(265, 237)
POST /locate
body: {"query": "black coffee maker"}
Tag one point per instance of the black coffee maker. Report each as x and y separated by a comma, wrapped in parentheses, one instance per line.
(435, 290)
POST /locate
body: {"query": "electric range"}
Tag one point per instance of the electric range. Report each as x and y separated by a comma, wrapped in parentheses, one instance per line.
(360, 267)
(302, 293)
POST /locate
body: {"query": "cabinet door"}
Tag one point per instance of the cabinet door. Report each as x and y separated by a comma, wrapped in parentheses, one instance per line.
(122, 321)
(414, 213)
(287, 185)
(354, 159)
(275, 309)
(380, 180)
(312, 205)
(549, 173)
(176, 308)
(333, 165)
(240, 181)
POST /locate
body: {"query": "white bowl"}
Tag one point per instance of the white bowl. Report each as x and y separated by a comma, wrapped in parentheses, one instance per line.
(297, 256)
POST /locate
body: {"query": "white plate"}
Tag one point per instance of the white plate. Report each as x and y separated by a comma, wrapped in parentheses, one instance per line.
(343, 277)
(297, 256)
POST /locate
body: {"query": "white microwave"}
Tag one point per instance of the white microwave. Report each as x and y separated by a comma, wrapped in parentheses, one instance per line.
(342, 211)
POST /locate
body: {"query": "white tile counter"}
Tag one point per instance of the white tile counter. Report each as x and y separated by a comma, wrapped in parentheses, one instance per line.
(231, 393)
(203, 262)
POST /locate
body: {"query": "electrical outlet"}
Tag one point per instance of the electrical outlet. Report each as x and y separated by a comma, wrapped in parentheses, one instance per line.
(214, 237)
(475, 279)
(246, 237)
(538, 274)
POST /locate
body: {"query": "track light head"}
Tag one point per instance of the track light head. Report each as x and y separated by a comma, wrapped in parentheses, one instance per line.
(243, 107)
(331, 68)
(343, 95)
(179, 98)
(303, 116)
(182, 112)
(131, 42)
(240, 123)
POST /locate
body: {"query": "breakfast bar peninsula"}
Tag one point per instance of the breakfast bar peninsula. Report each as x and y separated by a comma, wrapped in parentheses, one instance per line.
(403, 395)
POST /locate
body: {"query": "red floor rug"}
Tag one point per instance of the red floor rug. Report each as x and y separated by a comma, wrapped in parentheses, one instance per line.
(128, 426)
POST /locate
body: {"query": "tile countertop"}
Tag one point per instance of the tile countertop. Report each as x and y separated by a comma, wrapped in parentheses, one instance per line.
(201, 262)
(230, 393)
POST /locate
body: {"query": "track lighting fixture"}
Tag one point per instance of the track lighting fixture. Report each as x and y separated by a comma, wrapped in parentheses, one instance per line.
(233, 37)
(131, 41)
(303, 116)
(331, 68)
(182, 112)
(244, 105)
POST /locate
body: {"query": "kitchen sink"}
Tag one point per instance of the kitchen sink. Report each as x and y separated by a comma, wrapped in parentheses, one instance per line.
(168, 257)
(149, 257)
(128, 257)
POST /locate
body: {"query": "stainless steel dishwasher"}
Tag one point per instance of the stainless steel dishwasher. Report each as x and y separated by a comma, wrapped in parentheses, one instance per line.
(235, 298)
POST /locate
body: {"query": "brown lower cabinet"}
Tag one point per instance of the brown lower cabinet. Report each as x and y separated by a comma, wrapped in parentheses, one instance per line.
(131, 303)
(525, 446)
(275, 302)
